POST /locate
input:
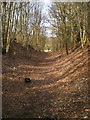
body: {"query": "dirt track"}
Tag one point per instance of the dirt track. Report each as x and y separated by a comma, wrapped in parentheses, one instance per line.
(59, 86)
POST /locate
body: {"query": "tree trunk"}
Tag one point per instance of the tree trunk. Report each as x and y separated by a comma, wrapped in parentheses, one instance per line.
(3, 28)
(66, 48)
(72, 37)
(9, 28)
(89, 23)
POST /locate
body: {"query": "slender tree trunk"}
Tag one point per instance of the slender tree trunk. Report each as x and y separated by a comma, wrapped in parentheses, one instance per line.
(3, 28)
(65, 37)
(9, 28)
(72, 37)
(66, 48)
(89, 23)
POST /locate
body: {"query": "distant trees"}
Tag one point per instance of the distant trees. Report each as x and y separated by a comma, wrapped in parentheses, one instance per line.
(70, 21)
(23, 22)
(38, 33)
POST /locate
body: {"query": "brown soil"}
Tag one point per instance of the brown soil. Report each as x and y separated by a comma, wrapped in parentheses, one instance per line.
(58, 89)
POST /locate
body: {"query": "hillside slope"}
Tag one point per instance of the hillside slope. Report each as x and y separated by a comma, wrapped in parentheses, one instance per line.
(59, 84)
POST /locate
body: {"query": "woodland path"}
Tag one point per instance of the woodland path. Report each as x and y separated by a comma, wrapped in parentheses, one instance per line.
(59, 86)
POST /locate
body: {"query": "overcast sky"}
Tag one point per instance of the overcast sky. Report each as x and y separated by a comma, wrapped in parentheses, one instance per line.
(47, 3)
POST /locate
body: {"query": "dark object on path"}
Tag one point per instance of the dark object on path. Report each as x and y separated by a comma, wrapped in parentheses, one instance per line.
(27, 80)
